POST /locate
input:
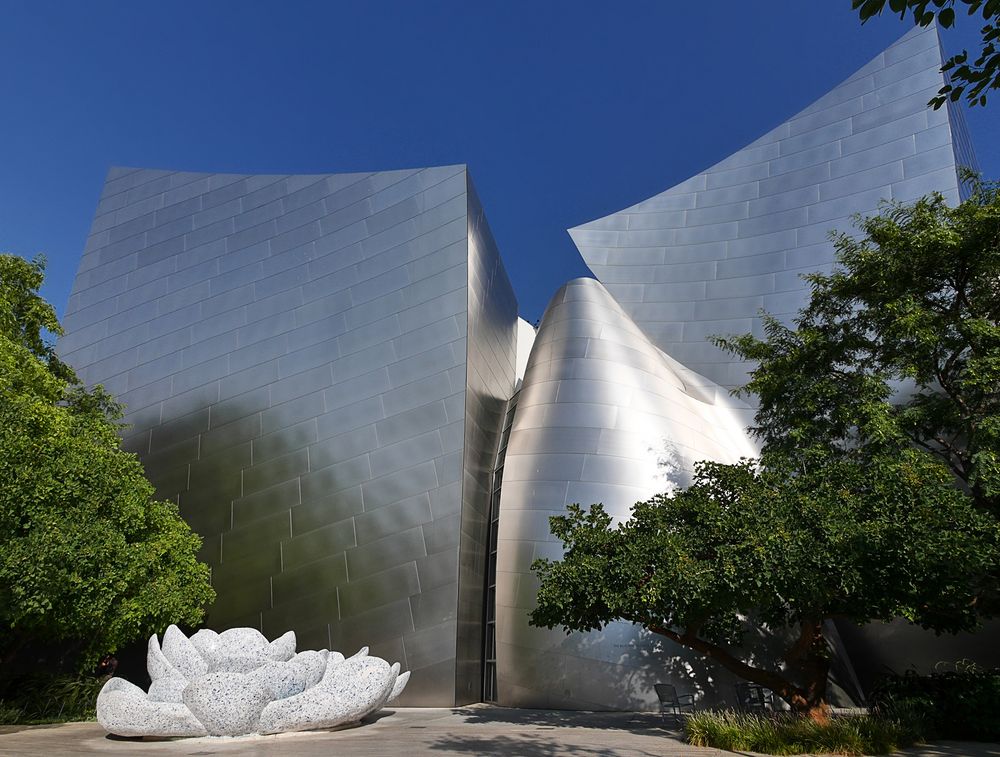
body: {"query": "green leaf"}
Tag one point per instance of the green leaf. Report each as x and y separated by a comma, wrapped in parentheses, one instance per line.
(87, 557)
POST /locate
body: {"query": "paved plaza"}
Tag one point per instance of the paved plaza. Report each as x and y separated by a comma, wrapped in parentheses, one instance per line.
(413, 732)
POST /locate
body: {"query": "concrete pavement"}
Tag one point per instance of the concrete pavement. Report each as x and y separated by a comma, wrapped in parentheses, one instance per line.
(475, 730)
(419, 732)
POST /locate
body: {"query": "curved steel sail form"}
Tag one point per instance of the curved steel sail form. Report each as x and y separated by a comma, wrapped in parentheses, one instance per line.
(701, 258)
(603, 416)
(705, 256)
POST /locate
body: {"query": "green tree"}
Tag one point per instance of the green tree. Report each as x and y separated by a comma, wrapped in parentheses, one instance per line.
(899, 345)
(876, 494)
(89, 559)
(971, 79)
(785, 550)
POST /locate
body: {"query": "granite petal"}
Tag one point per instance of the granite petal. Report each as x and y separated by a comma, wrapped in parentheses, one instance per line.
(244, 663)
(281, 679)
(182, 654)
(398, 686)
(167, 689)
(313, 664)
(354, 689)
(124, 710)
(282, 648)
(387, 694)
(237, 642)
(157, 665)
(206, 641)
(227, 704)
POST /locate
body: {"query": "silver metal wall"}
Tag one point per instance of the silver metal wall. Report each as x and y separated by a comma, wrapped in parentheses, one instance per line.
(490, 383)
(316, 367)
(292, 351)
(603, 416)
(703, 257)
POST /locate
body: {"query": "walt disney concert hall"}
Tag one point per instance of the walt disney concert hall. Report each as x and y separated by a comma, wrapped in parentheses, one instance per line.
(329, 376)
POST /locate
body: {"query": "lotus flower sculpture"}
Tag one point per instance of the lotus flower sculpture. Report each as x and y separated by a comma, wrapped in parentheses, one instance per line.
(236, 683)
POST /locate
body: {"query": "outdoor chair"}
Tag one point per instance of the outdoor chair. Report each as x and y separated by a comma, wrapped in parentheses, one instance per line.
(753, 698)
(672, 703)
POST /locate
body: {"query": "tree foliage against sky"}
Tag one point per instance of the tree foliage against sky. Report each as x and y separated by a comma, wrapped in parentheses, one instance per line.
(913, 305)
(973, 79)
(88, 559)
(856, 539)
(876, 495)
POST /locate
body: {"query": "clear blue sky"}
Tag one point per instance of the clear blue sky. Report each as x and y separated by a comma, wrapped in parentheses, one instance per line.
(564, 111)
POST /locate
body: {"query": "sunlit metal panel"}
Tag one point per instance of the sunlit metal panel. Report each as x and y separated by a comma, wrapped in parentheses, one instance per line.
(295, 358)
(602, 416)
(705, 256)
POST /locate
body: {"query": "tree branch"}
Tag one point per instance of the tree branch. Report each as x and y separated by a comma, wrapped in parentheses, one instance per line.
(952, 460)
(774, 681)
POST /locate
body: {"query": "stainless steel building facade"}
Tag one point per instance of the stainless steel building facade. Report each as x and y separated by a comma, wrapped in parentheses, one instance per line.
(602, 416)
(325, 372)
(313, 367)
(623, 384)
(705, 256)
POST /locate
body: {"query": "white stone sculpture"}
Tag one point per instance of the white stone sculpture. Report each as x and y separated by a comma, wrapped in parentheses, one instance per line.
(237, 683)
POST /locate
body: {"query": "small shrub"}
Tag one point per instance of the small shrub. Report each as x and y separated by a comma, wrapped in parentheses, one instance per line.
(786, 734)
(51, 699)
(962, 704)
(10, 715)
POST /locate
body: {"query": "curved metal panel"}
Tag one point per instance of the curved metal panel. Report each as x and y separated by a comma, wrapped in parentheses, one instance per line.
(706, 255)
(490, 375)
(603, 416)
(292, 351)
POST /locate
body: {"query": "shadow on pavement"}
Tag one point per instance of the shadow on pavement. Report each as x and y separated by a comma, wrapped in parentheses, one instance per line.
(377, 716)
(953, 749)
(647, 723)
(527, 746)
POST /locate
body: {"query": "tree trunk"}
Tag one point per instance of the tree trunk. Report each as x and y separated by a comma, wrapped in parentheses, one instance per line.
(808, 656)
(811, 698)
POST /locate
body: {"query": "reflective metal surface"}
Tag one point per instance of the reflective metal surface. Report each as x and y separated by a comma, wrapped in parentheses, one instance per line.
(490, 608)
(316, 369)
(490, 373)
(602, 416)
(706, 255)
(293, 354)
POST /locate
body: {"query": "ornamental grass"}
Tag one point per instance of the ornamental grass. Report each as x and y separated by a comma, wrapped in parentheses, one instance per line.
(788, 734)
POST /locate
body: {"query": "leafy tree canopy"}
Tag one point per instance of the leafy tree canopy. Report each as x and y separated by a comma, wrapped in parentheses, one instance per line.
(876, 495)
(25, 317)
(899, 345)
(861, 540)
(88, 558)
(971, 79)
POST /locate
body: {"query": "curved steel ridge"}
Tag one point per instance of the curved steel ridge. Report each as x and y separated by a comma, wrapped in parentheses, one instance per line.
(706, 255)
(603, 416)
